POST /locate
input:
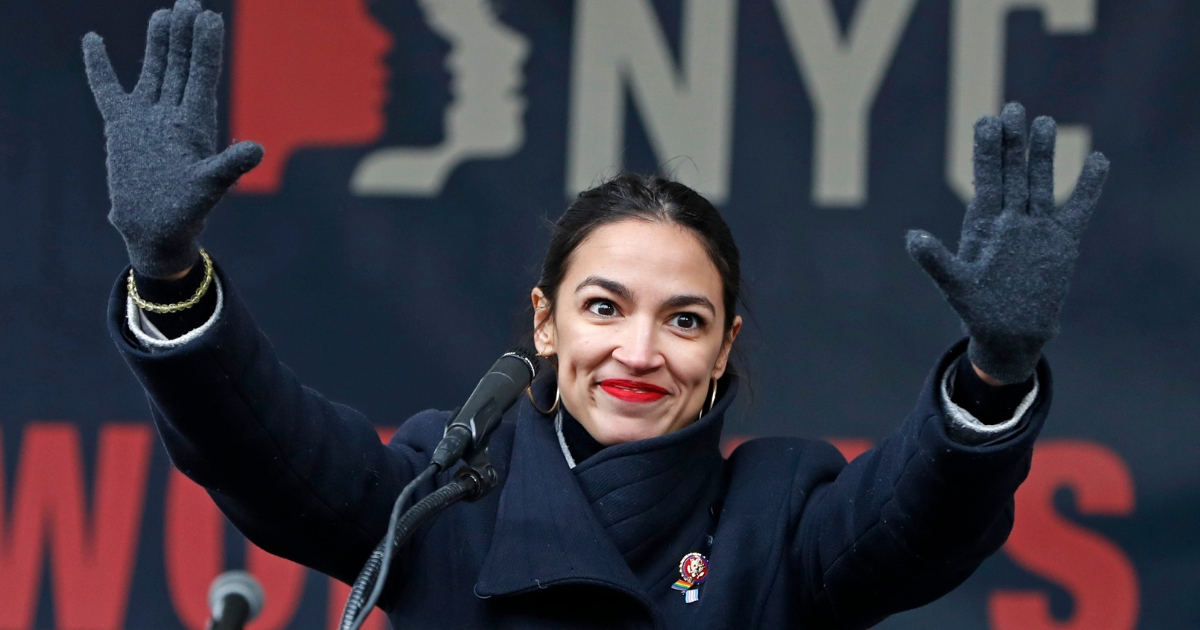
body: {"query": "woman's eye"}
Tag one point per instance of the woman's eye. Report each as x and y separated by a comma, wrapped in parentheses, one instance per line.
(688, 321)
(603, 308)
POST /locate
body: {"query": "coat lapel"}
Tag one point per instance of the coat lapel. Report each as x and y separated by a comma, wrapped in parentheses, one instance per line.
(546, 532)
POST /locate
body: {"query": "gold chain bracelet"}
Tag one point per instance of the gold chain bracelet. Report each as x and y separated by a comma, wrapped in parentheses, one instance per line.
(178, 306)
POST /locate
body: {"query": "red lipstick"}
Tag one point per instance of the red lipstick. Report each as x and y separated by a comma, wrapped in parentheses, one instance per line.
(632, 391)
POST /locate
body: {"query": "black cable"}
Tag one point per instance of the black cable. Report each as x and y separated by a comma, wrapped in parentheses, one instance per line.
(424, 510)
(382, 554)
(355, 613)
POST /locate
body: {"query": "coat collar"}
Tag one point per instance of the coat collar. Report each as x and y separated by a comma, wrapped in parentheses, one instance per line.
(547, 527)
(650, 494)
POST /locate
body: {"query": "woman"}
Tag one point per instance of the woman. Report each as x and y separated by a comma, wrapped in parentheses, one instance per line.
(615, 507)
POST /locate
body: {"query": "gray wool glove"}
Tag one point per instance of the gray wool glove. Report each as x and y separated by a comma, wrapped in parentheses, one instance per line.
(164, 172)
(1010, 276)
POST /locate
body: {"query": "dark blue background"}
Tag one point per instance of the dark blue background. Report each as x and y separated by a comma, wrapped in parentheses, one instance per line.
(394, 305)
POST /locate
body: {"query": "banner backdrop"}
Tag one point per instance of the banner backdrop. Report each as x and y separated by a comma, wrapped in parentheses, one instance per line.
(415, 150)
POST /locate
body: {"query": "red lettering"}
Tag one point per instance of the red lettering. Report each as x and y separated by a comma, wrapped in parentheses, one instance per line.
(288, 93)
(194, 554)
(194, 543)
(1100, 578)
(730, 444)
(339, 592)
(91, 556)
(851, 447)
(283, 583)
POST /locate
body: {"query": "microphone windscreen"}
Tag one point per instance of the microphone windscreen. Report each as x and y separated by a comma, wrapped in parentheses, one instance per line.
(527, 356)
(235, 583)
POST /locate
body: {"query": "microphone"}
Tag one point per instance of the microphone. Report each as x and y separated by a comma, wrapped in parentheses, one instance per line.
(471, 426)
(467, 432)
(235, 598)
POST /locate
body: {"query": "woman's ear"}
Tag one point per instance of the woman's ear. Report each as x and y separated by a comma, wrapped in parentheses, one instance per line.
(727, 347)
(543, 323)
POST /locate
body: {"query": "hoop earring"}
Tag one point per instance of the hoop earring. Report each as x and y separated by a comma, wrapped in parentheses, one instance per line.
(552, 409)
(712, 400)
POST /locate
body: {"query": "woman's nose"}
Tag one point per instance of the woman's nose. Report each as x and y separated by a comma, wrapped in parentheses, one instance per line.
(638, 349)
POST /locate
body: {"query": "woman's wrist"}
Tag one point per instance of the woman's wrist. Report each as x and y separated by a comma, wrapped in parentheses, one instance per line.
(171, 290)
(986, 378)
(174, 291)
(181, 275)
(989, 402)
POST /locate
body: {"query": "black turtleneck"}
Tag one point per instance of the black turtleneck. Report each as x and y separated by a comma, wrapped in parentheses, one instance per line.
(581, 443)
(652, 497)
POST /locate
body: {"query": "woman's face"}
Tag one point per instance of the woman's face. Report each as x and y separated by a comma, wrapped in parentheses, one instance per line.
(637, 330)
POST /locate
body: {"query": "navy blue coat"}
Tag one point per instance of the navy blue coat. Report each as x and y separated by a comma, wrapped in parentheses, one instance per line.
(803, 540)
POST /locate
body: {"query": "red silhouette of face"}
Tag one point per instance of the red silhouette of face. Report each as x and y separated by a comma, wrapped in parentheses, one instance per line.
(305, 73)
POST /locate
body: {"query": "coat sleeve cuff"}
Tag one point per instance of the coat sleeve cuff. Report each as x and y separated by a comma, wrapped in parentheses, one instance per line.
(966, 429)
(152, 339)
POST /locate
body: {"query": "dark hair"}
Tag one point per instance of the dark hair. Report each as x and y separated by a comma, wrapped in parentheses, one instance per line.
(647, 198)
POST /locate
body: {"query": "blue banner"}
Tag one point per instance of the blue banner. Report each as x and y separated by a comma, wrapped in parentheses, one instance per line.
(389, 240)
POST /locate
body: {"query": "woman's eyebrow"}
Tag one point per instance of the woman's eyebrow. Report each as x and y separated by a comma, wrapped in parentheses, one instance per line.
(612, 286)
(680, 301)
(623, 292)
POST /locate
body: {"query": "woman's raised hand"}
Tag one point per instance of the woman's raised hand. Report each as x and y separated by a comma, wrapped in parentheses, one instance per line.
(1010, 276)
(164, 172)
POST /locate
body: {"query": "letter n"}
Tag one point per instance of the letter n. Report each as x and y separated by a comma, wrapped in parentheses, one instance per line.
(687, 111)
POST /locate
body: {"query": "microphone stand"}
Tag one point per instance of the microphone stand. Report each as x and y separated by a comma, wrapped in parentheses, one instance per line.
(235, 598)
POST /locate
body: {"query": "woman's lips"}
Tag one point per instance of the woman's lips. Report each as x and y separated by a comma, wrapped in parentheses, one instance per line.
(632, 391)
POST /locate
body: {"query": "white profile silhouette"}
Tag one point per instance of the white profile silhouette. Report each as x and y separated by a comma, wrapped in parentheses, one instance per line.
(485, 119)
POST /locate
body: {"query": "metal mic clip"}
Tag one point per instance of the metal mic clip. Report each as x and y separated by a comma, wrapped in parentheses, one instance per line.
(481, 473)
